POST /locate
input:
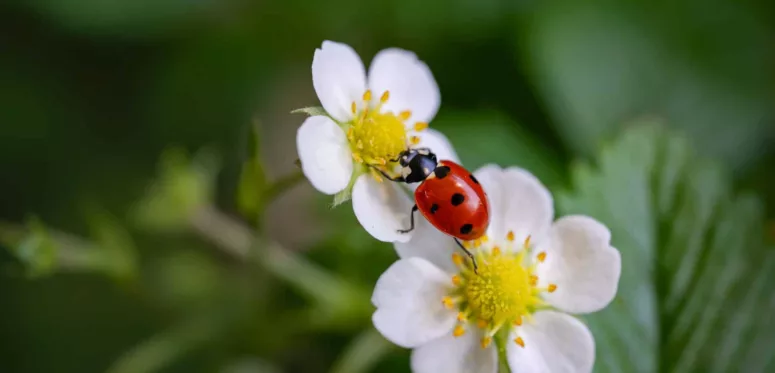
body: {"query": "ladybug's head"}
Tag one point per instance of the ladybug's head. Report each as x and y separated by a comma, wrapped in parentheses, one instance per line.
(417, 164)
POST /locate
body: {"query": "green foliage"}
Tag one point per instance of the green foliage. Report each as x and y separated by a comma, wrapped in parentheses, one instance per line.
(183, 186)
(697, 279)
(142, 18)
(598, 66)
(253, 180)
(114, 248)
(34, 248)
(363, 352)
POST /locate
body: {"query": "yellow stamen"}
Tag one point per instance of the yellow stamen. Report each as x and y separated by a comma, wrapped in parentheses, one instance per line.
(501, 289)
(541, 256)
(484, 238)
(414, 140)
(419, 126)
(404, 115)
(447, 301)
(520, 342)
(526, 244)
(502, 292)
(458, 331)
(376, 137)
(457, 259)
(385, 97)
(552, 288)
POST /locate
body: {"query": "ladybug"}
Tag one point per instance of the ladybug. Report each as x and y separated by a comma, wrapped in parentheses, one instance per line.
(448, 196)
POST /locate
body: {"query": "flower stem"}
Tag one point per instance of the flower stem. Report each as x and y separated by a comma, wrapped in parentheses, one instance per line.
(501, 339)
(281, 185)
(334, 295)
(162, 349)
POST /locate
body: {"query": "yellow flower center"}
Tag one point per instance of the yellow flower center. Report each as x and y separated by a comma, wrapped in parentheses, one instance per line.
(501, 293)
(376, 137)
(501, 290)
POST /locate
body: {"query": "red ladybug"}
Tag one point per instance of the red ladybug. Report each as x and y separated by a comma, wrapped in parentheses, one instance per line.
(448, 196)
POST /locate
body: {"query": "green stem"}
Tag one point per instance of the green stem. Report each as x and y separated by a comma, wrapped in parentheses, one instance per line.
(281, 185)
(166, 347)
(236, 239)
(501, 340)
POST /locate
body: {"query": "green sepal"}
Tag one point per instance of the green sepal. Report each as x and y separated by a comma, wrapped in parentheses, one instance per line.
(347, 192)
(311, 111)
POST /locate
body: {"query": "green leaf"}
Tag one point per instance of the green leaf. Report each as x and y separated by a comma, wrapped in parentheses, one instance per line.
(311, 111)
(698, 282)
(599, 63)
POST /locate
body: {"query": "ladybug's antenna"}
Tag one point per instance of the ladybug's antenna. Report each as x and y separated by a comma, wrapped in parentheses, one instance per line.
(473, 260)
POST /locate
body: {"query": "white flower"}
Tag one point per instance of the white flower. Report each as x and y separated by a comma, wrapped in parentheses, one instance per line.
(370, 121)
(532, 272)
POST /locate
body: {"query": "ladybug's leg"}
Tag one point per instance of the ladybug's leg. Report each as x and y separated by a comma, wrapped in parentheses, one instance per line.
(411, 221)
(473, 260)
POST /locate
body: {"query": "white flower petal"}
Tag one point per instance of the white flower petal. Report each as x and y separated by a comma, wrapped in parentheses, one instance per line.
(554, 343)
(382, 209)
(438, 143)
(530, 208)
(339, 79)
(410, 82)
(582, 263)
(408, 300)
(324, 154)
(455, 355)
(490, 176)
(429, 243)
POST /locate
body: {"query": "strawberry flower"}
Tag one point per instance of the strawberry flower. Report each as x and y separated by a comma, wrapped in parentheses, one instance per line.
(533, 273)
(368, 121)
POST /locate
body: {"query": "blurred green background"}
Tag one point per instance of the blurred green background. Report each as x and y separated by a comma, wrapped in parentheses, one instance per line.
(119, 118)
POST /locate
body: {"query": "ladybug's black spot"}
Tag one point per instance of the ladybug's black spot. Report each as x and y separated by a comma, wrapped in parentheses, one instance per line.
(441, 171)
(457, 199)
(473, 178)
(434, 207)
(466, 228)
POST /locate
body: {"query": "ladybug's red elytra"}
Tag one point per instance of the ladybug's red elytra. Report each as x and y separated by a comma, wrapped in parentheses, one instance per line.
(448, 196)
